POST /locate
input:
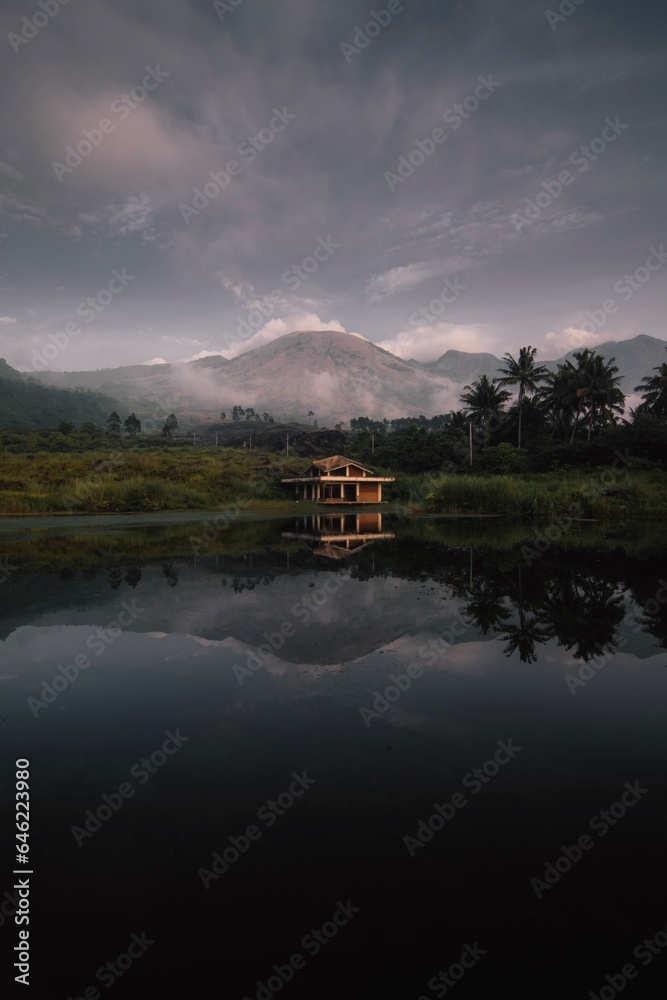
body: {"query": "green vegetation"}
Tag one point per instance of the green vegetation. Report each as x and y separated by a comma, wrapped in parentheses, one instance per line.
(128, 480)
(561, 448)
(26, 403)
(599, 493)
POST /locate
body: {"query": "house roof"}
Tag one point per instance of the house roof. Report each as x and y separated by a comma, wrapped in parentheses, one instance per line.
(336, 462)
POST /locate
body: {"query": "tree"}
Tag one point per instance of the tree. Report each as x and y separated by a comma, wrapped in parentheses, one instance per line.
(654, 393)
(65, 427)
(484, 400)
(223, 416)
(237, 413)
(523, 372)
(559, 397)
(170, 426)
(588, 389)
(113, 425)
(596, 390)
(132, 425)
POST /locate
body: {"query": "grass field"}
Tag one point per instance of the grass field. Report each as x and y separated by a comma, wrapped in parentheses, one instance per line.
(129, 480)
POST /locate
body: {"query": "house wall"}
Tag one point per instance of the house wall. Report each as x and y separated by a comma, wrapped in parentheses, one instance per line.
(369, 492)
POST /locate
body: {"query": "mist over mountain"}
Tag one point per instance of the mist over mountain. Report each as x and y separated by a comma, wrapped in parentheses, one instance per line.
(335, 375)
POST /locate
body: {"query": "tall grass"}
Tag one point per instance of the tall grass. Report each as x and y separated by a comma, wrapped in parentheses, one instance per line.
(589, 494)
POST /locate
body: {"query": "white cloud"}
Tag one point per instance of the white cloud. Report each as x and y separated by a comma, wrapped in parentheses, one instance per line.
(572, 338)
(7, 320)
(275, 328)
(428, 343)
(134, 215)
(402, 279)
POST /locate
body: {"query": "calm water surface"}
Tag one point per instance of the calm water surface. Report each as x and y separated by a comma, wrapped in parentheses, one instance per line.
(339, 757)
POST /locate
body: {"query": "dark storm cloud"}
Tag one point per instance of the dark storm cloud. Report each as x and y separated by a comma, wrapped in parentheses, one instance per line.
(183, 88)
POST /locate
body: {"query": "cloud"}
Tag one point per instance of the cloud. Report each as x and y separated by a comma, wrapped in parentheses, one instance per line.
(8, 320)
(572, 339)
(402, 279)
(134, 215)
(428, 343)
(275, 328)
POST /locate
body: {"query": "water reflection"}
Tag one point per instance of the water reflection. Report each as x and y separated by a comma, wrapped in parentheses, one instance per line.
(414, 578)
(263, 648)
(338, 535)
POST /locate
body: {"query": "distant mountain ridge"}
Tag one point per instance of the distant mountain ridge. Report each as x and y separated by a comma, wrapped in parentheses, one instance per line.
(335, 375)
(28, 404)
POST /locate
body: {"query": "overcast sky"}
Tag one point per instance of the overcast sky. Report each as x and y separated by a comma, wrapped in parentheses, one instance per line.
(305, 117)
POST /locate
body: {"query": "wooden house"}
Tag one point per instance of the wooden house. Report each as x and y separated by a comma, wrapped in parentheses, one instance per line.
(339, 480)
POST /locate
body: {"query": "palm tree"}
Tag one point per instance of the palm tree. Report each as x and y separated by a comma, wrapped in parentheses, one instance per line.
(484, 400)
(603, 399)
(654, 392)
(522, 371)
(559, 397)
(590, 388)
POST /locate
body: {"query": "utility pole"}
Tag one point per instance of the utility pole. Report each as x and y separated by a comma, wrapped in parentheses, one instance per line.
(194, 439)
(216, 439)
(372, 444)
(470, 428)
(287, 445)
(250, 440)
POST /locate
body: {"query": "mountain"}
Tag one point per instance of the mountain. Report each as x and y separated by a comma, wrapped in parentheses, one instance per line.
(27, 404)
(634, 358)
(336, 375)
(462, 367)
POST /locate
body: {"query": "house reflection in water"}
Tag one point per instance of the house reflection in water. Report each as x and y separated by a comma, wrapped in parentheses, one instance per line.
(338, 535)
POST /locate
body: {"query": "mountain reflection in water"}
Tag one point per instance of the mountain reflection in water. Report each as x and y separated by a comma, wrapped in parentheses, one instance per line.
(385, 658)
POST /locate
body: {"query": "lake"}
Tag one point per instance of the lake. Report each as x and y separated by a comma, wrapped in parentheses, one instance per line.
(348, 755)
